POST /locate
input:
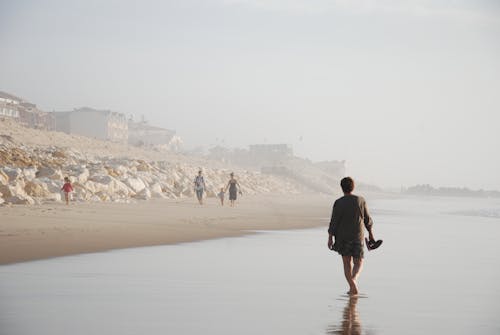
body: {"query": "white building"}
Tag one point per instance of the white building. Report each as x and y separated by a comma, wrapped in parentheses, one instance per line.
(9, 105)
(143, 134)
(7, 98)
(100, 124)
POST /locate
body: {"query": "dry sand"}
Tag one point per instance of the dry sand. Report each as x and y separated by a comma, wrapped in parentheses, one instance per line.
(37, 232)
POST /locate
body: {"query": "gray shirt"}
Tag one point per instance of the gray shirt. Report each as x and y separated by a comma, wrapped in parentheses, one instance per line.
(349, 214)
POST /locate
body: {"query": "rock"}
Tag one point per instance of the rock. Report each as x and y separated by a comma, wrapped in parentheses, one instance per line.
(82, 175)
(36, 189)
(4, 178)
(145, 194)
(59, 154)
(20, 200)
(156, 191)
(49, 172)
(90, 186)
(121, 189)
(29, 173)
(103, 196)
(143, 166)
(12, 173)
(13, 190)
(136, 184)
(102, 179)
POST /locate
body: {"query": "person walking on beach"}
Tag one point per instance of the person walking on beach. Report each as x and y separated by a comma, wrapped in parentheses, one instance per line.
(221, 195)
(67, 188)
(349, 215)
(234, 187)
(199, 187)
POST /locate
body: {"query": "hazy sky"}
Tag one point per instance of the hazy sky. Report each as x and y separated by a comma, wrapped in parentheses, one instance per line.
(406, 91)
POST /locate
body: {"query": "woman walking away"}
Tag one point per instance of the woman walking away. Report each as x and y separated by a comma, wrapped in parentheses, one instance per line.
(234, 187)
(346, 226)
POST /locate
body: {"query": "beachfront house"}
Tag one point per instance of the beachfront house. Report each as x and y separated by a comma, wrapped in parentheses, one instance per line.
(143, 134)
(25, 112)
(9, 106)
(100, 124)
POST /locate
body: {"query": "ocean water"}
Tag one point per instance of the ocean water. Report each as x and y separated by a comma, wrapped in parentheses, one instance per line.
(438, 272)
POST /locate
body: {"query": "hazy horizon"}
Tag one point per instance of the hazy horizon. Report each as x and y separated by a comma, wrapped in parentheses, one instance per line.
(407, 92)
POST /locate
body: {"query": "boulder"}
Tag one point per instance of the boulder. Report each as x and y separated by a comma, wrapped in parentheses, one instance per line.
(121, 189)
(103, 196)
(4, 178)
(12, 173)
(156, 191)
(20, 200)
(136, 184)
(58, 154)
(102, 179)
(29, 173)
(90, 186)
(13, 190)
(49, 172)
(38, 190)
(145, 194)
(143, 166)
(82, 175)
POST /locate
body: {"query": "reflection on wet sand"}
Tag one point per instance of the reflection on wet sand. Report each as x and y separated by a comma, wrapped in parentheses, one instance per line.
(351, 322)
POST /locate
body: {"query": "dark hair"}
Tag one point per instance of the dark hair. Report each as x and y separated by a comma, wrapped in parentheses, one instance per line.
(347, 184)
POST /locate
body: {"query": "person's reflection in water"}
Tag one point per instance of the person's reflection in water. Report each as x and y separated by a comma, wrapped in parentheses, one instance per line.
(351, 323)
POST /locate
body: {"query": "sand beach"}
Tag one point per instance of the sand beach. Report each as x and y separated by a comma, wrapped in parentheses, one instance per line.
(50, 230)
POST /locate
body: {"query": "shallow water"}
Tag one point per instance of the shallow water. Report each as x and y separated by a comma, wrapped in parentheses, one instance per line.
(436, 273)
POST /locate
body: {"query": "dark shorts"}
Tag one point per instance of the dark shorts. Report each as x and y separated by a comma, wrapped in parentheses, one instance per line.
(350, 248)
(199, 194)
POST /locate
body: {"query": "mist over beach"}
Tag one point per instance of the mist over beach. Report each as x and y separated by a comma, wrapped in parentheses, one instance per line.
(185, 156)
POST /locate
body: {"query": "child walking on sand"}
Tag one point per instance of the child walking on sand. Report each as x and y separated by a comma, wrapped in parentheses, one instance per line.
(67, 188)
(221, 196)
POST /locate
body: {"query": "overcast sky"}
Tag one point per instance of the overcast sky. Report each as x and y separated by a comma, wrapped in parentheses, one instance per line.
(406, 91)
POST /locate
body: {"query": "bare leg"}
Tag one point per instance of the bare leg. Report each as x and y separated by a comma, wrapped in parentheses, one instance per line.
(347, 260)
(66, 196)
(356, 269)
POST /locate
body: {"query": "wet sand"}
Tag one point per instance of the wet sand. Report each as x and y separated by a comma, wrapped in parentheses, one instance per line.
(436, 273)
(37, 232)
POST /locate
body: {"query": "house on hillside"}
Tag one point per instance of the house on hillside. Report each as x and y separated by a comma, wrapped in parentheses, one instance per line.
(143, 134)
(100, 124)
(25, 112)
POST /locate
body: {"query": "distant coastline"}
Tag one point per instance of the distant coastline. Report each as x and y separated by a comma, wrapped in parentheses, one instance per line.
(426, 189)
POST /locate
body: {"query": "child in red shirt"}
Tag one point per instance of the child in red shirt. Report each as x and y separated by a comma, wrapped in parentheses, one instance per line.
(67, 187)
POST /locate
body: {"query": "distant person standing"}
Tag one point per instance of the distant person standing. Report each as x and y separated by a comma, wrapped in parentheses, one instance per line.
(199, 187)
(349, 215)
(67, 189)
(234, 189)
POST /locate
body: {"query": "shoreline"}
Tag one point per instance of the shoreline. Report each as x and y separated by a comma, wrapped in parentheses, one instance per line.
(29, 233)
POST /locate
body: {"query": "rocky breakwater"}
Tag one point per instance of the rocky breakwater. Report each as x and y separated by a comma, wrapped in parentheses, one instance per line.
(34, 175)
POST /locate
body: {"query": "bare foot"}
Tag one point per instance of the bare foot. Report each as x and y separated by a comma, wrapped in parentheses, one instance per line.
(353, 290)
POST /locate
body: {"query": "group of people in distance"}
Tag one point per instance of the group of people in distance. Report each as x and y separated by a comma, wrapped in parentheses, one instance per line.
(232, 185)
(199, 187)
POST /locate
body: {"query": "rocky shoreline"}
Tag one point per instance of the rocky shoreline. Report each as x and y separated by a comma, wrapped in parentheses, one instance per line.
(33, 173)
